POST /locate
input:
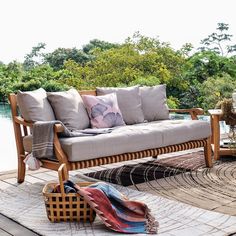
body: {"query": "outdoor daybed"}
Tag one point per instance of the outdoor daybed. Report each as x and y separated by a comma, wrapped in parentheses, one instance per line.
(146, 129)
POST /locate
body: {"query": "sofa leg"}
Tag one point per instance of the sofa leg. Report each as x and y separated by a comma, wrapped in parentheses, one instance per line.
(21, 170)
(207, 153)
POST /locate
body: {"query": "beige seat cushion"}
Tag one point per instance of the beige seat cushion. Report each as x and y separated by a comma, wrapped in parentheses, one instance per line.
(132, 138)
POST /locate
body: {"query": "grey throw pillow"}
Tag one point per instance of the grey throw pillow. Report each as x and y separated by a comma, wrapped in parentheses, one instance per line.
(69, 108)
(34, 105)
(129, 102)
(154, 103)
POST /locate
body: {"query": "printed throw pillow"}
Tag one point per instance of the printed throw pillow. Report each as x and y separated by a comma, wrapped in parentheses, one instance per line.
(103, 111)
(34, 105)
(69, 108)
(129, 101)
(154, 103)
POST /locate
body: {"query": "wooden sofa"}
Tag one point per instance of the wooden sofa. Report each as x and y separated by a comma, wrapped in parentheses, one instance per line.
(22, 129)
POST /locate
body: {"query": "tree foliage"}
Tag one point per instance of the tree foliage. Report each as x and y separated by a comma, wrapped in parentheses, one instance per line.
(35, 57)
(98, 44)
(217, 41)
(57, 58)
(215, 89)
(197, 79)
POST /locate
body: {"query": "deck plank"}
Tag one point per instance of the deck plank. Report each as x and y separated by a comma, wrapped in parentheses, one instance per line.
(4, 185)
(4, 233)
(12, 181)
(43, 176)
(10, 227)
(32, 179)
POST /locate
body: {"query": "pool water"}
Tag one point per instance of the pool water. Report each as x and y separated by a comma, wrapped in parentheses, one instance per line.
(7, 140)
(223, 127)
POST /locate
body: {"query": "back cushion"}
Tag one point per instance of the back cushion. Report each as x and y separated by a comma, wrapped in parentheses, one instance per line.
(34, 105)
(129, 102)
(154, 102)
(69, 108)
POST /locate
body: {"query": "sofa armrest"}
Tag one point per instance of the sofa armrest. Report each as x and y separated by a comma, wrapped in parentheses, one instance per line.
(58, 128)
(60, 154)
(21, 121)
(194, 112)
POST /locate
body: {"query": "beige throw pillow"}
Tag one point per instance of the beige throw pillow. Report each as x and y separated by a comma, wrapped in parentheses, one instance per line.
(69, 108)
(34, 105)
(129, 102)
(154, 103)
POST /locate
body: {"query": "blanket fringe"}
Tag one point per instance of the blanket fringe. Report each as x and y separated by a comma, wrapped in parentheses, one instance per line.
(32, 162)
(151, 223)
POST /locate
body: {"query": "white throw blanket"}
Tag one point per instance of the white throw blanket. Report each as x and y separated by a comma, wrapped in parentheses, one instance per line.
(43, 135)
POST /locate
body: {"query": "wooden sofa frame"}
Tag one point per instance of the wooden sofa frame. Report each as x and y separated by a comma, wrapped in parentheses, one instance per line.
(21, 129)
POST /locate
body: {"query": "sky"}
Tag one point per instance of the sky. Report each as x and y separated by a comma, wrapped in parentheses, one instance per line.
(73, 23)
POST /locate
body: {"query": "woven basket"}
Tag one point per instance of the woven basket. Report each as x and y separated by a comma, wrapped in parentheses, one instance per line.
(66, 207)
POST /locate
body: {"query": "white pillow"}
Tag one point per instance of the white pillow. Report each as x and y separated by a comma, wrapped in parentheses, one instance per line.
(34, 105)
(129, 102)
(154, 103)
(69, 108)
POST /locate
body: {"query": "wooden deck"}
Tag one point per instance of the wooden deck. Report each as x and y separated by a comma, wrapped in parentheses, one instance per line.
(8, 226)
(8, 179)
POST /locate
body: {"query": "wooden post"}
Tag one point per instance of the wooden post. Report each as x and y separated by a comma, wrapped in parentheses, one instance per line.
(216, 136)
(207, 153)
(19, 140)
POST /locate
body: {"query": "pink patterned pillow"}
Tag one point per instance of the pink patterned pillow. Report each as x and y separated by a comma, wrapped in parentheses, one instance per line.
(103, 110)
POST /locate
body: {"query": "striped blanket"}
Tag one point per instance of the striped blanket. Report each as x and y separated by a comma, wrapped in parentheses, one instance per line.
(43, 135)
(115, 210)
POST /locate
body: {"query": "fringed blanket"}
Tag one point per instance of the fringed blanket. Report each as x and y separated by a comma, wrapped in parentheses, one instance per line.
(43, 135)
(115, 210)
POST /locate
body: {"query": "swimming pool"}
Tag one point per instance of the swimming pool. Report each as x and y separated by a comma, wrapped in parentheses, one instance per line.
(223, 127)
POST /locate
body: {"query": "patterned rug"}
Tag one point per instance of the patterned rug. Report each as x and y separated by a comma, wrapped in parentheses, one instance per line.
(156, 169)
(25, 204)
(182, 178)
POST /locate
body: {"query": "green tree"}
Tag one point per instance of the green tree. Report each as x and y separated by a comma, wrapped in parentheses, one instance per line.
(199, 67)
(205, 64)
(57, 58)
(10, 75)
(217, 41)
(140, 60)
(214, 89)
(186, 49)
(35, 57)
(98, 44)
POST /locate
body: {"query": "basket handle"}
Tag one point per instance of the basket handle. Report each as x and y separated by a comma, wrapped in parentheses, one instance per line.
(63, 176)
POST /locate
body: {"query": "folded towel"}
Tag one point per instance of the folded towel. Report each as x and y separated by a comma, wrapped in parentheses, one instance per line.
(115, 210)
